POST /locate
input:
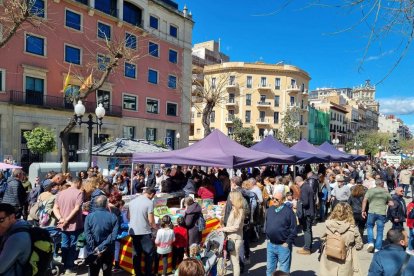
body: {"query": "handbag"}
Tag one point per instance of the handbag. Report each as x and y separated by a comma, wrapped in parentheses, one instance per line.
(230, 245)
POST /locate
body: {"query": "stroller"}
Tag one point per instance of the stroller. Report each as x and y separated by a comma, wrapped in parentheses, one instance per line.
(213, 251)
(54, 266)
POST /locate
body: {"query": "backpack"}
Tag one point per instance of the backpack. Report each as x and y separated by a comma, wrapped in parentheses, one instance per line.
(3, 188)
(252, 201)
(335, 247)
(201, 223)
(41, 251)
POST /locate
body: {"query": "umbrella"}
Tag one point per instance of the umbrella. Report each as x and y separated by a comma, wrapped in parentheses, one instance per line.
(5, 166)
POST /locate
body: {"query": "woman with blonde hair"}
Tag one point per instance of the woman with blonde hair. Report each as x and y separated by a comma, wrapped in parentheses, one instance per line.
(341, 223)
(234, 229)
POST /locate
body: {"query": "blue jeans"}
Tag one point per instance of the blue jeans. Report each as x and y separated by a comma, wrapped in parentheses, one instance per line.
(322, 210)
(68, 246)
(143, 244)
(411, 239)
(278, 254)
(405, 188)
(380, 221)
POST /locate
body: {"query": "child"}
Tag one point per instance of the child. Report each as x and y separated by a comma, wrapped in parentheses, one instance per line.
(163, 241)
(122, 233)
(180, 243)
(289, 200)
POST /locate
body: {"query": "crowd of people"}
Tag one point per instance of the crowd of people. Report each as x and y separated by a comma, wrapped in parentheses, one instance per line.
(271, 202)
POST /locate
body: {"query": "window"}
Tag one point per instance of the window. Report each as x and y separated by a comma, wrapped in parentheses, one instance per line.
(261, 132)
(173, 56)
(85, 2)
(172, 81)
(292, 100)
(248, 116)
(277, 101)
(130, 70)
(151, 134)
(213, 83)
(275, 117)
(232, 80)
(293, 82)
(129, 132)
(152, 76)
(302, 87)
(38, 8)
(104, 97)
(71, 90)
(171, 109)
(262, 116)
(198, 130)
(35, 45)
(132, 14)
(262, 98)
(153, 22)
(198, 114)
(230, 131)
(173, 31)
(212, 116)
(72, 55)
(73, 20)
(129, 102)
(249, 82)
(263, 81)
(102, 62)
(104, 31)
(277, 83)
(2, 80)
(152, 106)
(34, 91)
(248, 99)
(107, 6)
(130, 41)
(153, 49)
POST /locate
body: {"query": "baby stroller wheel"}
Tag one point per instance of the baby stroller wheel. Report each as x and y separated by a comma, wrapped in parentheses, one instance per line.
(54, 271)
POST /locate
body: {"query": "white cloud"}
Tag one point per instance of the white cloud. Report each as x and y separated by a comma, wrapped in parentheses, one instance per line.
(377, 57)
(397, 106)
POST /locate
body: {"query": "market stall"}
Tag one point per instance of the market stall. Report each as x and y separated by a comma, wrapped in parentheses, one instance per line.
(212, 214)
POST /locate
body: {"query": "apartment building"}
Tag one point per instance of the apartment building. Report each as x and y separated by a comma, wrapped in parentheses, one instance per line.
(394, 126)
(257, 93)
(147, 98)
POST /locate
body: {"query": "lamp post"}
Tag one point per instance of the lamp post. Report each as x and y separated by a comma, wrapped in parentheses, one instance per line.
(271, 133)
(357, 145)
(178, 139)
(335, 142)
(100, 113)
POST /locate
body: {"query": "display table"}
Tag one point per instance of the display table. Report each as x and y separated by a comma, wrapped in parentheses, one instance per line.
(125, 256)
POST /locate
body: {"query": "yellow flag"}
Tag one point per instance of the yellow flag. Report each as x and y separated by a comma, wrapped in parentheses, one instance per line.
(67, 80)
(87, 83)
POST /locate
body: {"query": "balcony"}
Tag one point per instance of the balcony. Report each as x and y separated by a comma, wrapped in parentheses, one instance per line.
(264, 104)
(59, 103)
(232, 86)
(293, 89)
(231, 102)
(294, 105)
(263, 121)
(264, 87)
(303, 124)
(229, 120)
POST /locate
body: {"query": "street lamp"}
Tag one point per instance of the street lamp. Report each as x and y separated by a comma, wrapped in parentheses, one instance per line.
(99, 112)
(265, 132)
(271, 133)
(335, 142)
(178, 139)
(357, 145)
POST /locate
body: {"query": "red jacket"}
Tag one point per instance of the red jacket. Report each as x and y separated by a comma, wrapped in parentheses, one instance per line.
(181, 237)
(410, 222)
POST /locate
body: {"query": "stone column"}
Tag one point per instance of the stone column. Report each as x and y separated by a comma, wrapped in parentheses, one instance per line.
(120, 8)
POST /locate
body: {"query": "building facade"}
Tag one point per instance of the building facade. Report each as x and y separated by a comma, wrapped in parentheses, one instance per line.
(258, 94)
(146, 97)
(394, 126)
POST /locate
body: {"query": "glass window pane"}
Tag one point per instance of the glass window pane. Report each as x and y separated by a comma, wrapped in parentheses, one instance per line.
(152, 76)
(173, 31)
(106, 6)
(104, 31)
(132, 14)
(171, 109)
(72, 54)
(172, 57)
(152, 106)
(130, 102)
(153, 49)
(38, 8)
(35, 45)
(130, 70)
(73, 20)
(130, 41)
(154, 22)
(172, 82)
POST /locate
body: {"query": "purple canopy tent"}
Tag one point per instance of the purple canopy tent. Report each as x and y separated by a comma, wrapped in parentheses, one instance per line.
(330, 148)
(215, 150)
(305, 146)
(273, 146)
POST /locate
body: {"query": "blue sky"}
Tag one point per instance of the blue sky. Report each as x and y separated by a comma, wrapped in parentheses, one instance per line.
(312, 38)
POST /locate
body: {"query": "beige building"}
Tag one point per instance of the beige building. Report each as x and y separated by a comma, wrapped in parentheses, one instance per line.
(258, 94)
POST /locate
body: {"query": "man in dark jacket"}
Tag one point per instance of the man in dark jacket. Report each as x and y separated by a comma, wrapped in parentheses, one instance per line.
(101, 229)
(149, 178)
(280, 234)
(15, 194)
(306, 213)
(397, 213)
(390, 260)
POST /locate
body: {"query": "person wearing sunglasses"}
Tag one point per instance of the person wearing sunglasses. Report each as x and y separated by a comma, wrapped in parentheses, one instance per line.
(15, 247)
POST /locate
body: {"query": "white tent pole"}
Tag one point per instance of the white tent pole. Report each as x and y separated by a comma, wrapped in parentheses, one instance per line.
(132, 175)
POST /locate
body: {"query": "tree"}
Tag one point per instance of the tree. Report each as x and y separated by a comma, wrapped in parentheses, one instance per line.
(242, 135)
(40, 140)
(114, 51)
(209, 93)
(289, 132)
(370, 142)
(15, 16)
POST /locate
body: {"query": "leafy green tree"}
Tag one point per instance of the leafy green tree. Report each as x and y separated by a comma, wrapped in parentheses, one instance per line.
(289, 132)
(161, 144)
(370, 142)
(40, 140)
(242, 135)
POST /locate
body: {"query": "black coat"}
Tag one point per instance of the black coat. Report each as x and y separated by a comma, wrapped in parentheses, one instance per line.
(15, 193)
(150, 183)
(307, 200)
(191, 216)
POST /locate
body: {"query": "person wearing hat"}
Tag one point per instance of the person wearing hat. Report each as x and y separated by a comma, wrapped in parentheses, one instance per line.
(340, 192)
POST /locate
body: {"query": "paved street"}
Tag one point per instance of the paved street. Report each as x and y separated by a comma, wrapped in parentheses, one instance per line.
(301, 265)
